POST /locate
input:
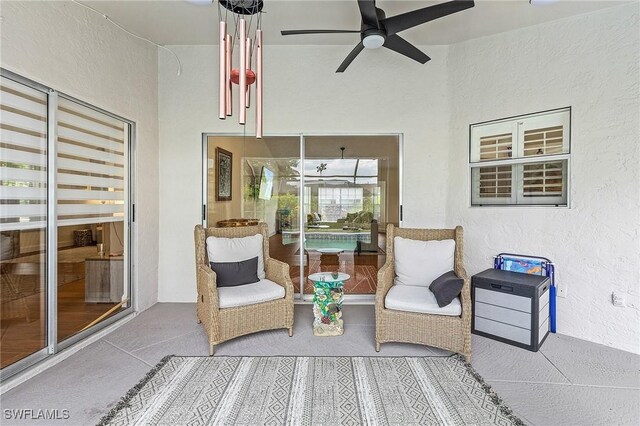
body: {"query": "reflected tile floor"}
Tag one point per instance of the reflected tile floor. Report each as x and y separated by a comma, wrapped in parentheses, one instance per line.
(568, 382)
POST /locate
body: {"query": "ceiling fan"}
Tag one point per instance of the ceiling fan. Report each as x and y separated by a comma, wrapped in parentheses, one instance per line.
(377, 30)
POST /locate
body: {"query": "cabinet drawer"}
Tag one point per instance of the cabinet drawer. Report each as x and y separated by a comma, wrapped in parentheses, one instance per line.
(544, 301)
(506, 331)
(544, 329)
(503, 299)
(505, 315)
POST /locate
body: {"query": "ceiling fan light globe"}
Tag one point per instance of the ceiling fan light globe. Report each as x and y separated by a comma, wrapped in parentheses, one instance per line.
(373, 41)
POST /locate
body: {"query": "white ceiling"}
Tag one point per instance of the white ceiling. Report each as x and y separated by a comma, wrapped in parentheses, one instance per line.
(171, 22)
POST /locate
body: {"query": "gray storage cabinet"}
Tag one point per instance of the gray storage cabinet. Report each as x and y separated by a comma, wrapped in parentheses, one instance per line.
(511, 307)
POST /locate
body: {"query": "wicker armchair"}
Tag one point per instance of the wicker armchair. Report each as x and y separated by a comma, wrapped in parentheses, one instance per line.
(228, 323)
(447, 332)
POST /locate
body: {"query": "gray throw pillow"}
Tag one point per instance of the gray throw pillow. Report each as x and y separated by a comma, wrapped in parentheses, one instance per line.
(230, 274)
(446, 288)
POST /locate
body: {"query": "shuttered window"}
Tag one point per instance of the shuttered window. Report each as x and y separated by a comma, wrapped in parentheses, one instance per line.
(522, 160)
(23, 157)
(91, 165)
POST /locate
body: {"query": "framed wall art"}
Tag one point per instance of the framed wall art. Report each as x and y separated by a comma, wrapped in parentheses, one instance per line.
(224, 162)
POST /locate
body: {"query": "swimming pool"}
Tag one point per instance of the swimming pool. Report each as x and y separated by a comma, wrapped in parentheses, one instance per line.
(320, 240)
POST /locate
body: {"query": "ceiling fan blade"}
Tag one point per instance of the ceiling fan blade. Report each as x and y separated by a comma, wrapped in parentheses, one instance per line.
(368, 12)
(343, 66)
(395, 24)
(402, 46)
(295, 32)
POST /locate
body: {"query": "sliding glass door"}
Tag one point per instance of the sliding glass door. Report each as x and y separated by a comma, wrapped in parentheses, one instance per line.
(326, 200)
(23, 221)
(250, 180)
(65, 223)
(351, 187)
(92, 156)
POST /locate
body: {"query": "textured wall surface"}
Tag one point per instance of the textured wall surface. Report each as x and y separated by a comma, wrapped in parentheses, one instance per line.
(590, 63)
(381, 92)
(75, 51)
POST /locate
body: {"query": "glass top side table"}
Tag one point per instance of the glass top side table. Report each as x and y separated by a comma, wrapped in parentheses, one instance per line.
(328, 295)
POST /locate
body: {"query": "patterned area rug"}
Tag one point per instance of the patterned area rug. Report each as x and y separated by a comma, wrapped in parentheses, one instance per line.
(311, 391)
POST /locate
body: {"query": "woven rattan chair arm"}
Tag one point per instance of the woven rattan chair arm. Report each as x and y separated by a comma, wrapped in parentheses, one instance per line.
(385, 281)
(207, 290)
(278, 272)
(462, 273)
(465, 299)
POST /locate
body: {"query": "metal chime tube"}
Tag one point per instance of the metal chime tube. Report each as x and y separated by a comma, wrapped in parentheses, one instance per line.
(222, 104)
(247, 100)
(258, 84)
(228, 43)
(242, 70)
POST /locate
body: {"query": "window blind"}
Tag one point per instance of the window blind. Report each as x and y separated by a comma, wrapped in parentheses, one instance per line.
(23, 156)
(91, 165)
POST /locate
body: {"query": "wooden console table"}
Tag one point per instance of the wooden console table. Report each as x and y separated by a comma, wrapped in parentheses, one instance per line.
(233, 223)
(104, 279)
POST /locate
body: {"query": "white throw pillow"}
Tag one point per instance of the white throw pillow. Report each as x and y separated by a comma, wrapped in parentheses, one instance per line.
(236, 250)
(420, 262)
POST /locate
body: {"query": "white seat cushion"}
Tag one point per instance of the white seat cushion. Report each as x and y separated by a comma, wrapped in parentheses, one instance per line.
(418, 262)
(221, 249)
(419, 299)
(249, 294)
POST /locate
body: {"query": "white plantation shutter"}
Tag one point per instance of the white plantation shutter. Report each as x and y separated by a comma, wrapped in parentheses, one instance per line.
(543, 141)
(493, 183)
(523, 160)
(492, 141)
(91, 165)
(496, 147)
(545, 182)
(23, 156)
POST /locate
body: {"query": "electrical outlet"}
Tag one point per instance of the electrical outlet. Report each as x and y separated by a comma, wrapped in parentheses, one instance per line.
(561, 290)
(617, 299)
(561, 286)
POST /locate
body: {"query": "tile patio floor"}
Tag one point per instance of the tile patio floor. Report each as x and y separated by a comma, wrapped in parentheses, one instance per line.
(568, 382)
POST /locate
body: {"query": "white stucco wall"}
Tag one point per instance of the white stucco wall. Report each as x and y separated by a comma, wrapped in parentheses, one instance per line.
(379, 93)
(75, 51)
(590, 63)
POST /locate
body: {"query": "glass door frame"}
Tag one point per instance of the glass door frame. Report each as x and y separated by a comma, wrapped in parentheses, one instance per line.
(51, 281)
(301, 297)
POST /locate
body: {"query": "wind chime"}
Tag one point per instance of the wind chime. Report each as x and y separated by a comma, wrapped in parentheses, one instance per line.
(248, 51)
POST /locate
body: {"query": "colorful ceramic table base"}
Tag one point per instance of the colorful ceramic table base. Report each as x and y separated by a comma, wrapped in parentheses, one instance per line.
(328, 295)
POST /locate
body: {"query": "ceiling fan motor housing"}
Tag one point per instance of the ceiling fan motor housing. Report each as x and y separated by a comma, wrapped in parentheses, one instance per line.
(373, 39)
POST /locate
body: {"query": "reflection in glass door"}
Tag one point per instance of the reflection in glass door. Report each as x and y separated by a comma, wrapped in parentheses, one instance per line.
(23, 221)
(262, 184)
(351, 187)
(338, 197)
(92, 182)
(64, 221)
